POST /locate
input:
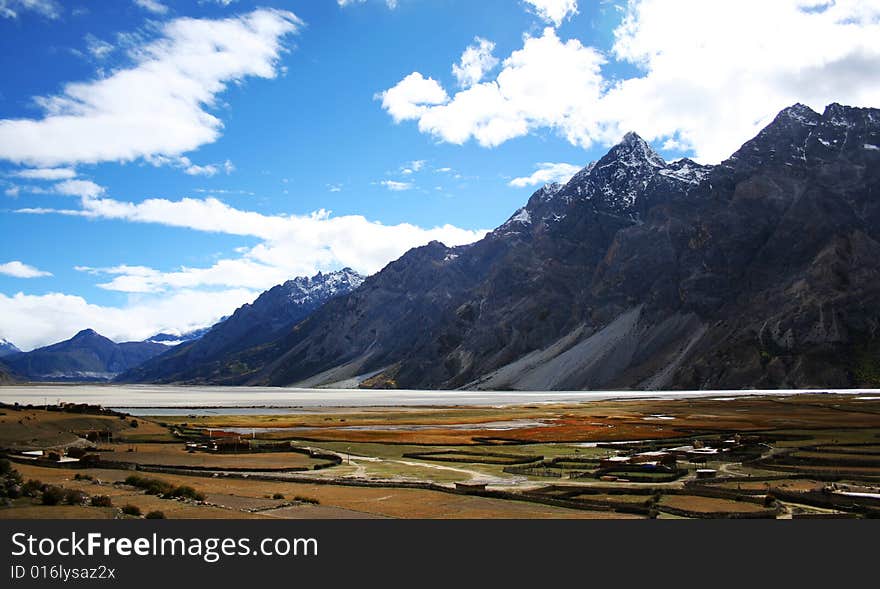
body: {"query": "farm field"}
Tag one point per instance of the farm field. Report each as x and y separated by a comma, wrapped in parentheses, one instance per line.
(773, 456)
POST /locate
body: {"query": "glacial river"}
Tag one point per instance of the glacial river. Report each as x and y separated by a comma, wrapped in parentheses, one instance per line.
(180, 400)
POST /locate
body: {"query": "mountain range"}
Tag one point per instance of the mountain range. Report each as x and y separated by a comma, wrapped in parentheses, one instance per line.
(269, 317)
(87, 356)
(637, 273)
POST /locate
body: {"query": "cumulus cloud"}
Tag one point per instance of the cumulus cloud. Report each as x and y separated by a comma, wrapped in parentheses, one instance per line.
(554, 11)
(13, 8)
(18, 269)
(412, 97)
(546, 173)
(158, 106)
(547, 83)
(38, 320)
(710, 74)
(476, 61)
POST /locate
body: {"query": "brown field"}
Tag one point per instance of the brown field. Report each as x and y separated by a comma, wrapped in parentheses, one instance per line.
(176, 455)
(386, 502)
(697, 504)
(796, 485)
(605, 498)
(36, 429)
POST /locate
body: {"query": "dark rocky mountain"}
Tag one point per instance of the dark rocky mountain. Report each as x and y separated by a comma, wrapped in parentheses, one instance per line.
(637, 274)
(87, 356)
(265, 320)
(5, 376)
(7, 348)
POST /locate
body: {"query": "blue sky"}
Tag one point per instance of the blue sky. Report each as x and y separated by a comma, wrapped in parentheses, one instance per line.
(163, 162)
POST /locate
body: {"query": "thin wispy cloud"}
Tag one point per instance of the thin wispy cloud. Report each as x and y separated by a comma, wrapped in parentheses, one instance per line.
(546, 173)
(157, 107)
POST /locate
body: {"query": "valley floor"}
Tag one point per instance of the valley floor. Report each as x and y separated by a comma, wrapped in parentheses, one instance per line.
(719, 456)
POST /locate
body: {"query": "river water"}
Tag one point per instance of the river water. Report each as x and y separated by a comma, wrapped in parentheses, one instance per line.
(206, 400)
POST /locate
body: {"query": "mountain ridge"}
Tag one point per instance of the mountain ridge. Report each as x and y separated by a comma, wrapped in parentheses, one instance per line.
(253, 324)
(637, 273)
(87, 356)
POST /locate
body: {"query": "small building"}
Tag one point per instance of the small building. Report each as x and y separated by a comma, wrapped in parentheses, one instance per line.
(659, 456)
(613, 461)
(706, 473)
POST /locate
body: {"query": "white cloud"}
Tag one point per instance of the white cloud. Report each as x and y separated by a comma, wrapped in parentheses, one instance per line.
(46, 174)
(13, 191)
(412, 97)
(38, 320)
(476, 61)
(711, 75)
(290, 245)
(210, 169)
(396, 186)
(412, 167)
(715, 74)
(19, 270)
(12, 8)
(81, 188)
(547, 83)
(334, 187)
(546, 173)
(159, 106)
(97, 48)
(554, 11)
(153, 6)
(392, 4)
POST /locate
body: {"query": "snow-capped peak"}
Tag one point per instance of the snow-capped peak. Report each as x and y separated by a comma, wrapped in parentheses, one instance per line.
(634, 150)
(7, 347)
(320, 287)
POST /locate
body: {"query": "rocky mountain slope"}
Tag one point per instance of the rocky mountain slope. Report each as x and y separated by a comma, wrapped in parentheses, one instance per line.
(271, 315)
(86, 356)
(637, 274)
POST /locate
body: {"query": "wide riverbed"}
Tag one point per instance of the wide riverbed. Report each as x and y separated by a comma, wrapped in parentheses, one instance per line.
(177, 400)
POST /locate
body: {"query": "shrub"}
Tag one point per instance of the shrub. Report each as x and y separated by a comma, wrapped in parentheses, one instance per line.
(31, 488)
(278, 496)
(54, 456)
(134, 423)
(76, 452)
(74, 497)
(83, 477)
(101, 501)
(5, 467)
(131, 510)
(52, 495)
(186, 492)
(157, 487)
(311, 500)
(155, 515)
